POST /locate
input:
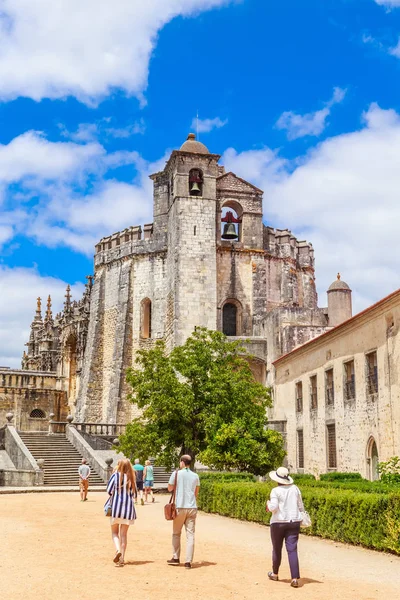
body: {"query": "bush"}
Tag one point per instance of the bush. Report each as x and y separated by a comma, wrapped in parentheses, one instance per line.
(390, 470)
(362, 485)
(225, 476)
(370, 520)
(337, 476)
(302, 477)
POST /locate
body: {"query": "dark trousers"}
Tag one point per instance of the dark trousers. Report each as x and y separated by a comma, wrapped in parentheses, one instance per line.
(290, 533)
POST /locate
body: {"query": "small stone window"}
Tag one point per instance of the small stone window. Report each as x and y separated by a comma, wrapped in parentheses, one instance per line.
(195, 182)
(313, 393)
(331, 446)
(372, 373)
(145, 330)
(37, 413)
(349, 381)
(299, 397)
(300, 449)
(329, 388)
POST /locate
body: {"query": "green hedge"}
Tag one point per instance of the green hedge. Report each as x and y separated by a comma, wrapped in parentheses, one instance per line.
(371, 520)
(302, 477)
(225, 476)
(337, 476)
(368, 487)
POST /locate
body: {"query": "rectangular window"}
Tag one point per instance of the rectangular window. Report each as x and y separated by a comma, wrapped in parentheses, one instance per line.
(313, 393)
(372, 373)
(329, 388)
(300, 449)
(299, 397)
(349, 381)
(331, 433)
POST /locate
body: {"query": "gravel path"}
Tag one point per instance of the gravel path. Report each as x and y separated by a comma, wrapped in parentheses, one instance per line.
(55, 547)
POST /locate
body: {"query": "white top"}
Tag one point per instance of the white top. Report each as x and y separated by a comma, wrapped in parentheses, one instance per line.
(185, 491)
(84, 471)
(285, 503)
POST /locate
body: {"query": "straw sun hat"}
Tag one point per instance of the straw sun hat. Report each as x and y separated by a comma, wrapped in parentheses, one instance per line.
(281, 475)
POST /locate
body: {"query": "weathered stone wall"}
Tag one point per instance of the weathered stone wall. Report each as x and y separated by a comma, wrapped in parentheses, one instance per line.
(358, 421)
(22, 391)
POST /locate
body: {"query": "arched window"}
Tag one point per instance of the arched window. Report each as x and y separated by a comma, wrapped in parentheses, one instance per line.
(195, 182)
(146, 319)
(37, 413)
(229, 319)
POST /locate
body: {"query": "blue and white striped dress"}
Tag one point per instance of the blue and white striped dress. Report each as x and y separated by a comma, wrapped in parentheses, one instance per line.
(122, 505)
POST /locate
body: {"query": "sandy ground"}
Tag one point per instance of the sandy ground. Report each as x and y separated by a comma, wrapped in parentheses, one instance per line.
(55, 547)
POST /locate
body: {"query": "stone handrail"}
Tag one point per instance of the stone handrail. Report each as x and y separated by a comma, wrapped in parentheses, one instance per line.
(106, 429)
(21, 456)
(100, 465)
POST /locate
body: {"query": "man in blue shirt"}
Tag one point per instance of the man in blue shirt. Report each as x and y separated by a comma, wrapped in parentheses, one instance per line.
(187, 487)
(139, 480)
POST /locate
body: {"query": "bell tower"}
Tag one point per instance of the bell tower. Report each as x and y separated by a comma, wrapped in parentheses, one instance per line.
(191, 175)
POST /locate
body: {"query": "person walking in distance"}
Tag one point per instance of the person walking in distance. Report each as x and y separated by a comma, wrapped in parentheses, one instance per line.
(139, 480)
(285, 504)
(121, 489)
(187, 487)
(148, 480)
(84, 473)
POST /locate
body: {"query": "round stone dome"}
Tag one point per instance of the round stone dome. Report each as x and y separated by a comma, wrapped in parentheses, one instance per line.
(339, 285)
(192, 145)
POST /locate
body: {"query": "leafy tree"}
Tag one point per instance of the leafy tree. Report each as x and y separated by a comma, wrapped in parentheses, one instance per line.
(202, 400)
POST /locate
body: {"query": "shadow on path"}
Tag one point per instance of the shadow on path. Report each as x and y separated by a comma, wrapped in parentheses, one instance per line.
(302, 581)
(138, 563)
(203, 563)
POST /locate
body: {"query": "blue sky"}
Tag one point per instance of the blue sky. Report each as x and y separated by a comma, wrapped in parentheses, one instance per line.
(300, 98)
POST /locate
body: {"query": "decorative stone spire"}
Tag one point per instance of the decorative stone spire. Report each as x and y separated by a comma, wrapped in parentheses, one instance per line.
(49, 315)
(338, 276)
(67, 303)
(38, 315)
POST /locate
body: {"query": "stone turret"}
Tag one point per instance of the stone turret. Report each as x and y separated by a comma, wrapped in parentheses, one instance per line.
(339, 302)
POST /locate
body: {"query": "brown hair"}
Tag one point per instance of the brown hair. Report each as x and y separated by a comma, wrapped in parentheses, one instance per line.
(187, 459)
(124, 467)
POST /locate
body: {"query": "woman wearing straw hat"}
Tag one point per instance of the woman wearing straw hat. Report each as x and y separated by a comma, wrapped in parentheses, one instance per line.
(285, 504)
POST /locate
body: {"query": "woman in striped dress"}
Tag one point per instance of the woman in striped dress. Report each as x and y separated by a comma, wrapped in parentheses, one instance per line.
(121, 489)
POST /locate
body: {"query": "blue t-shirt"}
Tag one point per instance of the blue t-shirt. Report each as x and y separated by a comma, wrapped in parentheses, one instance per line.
(139, 472)
(186, 487)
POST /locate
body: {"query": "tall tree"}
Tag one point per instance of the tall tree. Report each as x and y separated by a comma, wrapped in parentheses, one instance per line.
(201, 399)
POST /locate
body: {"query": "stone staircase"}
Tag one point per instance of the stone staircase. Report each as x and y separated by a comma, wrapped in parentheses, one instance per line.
(61, 459)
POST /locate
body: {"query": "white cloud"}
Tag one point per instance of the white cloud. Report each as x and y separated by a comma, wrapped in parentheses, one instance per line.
(58, 48)
(388, 3)
(310, 124)
(32, 155)
(61, 193)
(19, 290)
(343, 196)
(207, 125)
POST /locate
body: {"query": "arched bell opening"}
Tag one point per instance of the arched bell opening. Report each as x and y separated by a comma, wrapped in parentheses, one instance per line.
(195, 182)
(232, 318)
(372, 460)
(145, 329)
(231, 221)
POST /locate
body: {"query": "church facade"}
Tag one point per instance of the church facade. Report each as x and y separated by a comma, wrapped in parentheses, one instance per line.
(206, 260)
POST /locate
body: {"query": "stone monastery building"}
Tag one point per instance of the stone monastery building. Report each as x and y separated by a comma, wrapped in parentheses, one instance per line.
(206, 260)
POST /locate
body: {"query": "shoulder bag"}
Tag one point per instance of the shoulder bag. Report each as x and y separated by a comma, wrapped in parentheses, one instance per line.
(170, 508)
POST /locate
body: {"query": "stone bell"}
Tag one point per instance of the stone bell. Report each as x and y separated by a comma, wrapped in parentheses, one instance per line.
(229, 232)
(194, 189)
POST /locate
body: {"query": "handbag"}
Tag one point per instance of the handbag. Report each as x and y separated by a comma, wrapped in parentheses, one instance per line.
(170, 508)
(305, 519)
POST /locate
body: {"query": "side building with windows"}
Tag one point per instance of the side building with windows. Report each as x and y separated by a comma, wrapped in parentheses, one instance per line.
(340, 394)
